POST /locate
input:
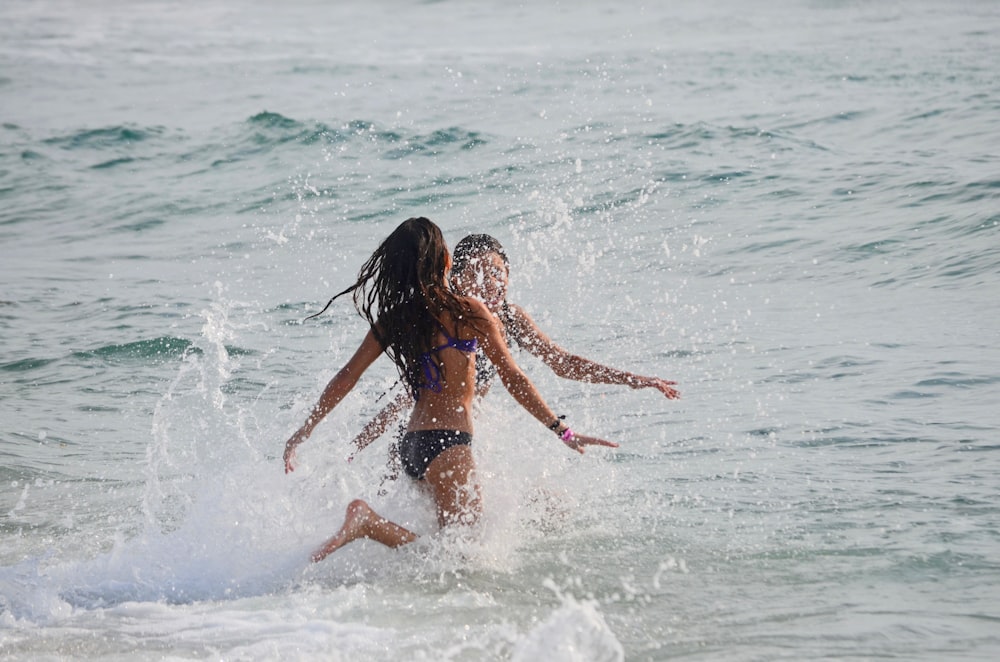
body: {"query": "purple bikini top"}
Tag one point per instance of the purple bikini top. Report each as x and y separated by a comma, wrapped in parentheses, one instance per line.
(432, 373)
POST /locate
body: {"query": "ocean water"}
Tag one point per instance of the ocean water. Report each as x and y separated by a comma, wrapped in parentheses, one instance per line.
(790, 208)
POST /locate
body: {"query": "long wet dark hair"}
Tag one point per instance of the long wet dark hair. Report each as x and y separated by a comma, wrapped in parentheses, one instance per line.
(474, 246)
(402, 291)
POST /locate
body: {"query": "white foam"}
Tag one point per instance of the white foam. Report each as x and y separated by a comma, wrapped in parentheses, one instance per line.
(575, 632)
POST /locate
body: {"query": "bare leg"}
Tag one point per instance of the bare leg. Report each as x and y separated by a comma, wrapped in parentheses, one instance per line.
(363, 522)
(451, 477)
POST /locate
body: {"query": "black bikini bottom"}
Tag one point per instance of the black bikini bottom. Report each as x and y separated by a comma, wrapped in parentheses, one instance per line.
(419, 448)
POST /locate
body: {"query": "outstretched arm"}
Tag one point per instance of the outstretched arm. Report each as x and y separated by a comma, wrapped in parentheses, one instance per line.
(572, 366)
(339, 386)
(375, 427)
(521, 388)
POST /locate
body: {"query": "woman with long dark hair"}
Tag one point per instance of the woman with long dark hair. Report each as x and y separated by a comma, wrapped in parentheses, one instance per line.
(432, 335)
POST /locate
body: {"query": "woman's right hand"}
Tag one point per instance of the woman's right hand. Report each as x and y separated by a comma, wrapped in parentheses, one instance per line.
(290, 445)
(578, 441)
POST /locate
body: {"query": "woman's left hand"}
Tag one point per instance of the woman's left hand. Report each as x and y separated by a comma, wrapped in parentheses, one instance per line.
(662, 385)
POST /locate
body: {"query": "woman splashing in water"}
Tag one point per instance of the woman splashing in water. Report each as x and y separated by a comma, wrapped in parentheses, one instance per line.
(432, 335)
(482, 271)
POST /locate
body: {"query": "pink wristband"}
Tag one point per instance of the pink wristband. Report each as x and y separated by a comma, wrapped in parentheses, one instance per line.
(566, 435)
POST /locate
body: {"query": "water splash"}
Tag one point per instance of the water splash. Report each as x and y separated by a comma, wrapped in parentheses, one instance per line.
(574, 632)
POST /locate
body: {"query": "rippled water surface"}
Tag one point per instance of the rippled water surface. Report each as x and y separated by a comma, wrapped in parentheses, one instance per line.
(792, 211)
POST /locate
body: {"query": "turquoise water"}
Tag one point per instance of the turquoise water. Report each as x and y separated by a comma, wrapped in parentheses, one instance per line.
(790, 210)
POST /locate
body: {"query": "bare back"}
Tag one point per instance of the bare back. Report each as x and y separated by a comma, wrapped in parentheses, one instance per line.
(450, 406)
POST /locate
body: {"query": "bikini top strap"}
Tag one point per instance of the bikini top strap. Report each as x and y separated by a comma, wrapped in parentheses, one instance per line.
(461, 344)
(432, 372)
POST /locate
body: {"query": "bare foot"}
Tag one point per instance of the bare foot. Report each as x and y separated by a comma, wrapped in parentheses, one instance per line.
(361, 521)
(355, 526)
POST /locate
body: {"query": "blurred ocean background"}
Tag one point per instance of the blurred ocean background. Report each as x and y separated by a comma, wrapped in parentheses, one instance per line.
(792, 208)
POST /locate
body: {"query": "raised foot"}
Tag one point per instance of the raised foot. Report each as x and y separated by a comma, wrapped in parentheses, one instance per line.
(357, 524)
(363, 522)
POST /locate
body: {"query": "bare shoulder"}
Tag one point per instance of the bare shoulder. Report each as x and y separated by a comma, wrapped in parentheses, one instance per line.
(524, 330)
(475, 306)
(516, 312)
(478, 319)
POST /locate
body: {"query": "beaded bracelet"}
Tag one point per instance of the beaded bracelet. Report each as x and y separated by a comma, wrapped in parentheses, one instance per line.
(567, 435)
